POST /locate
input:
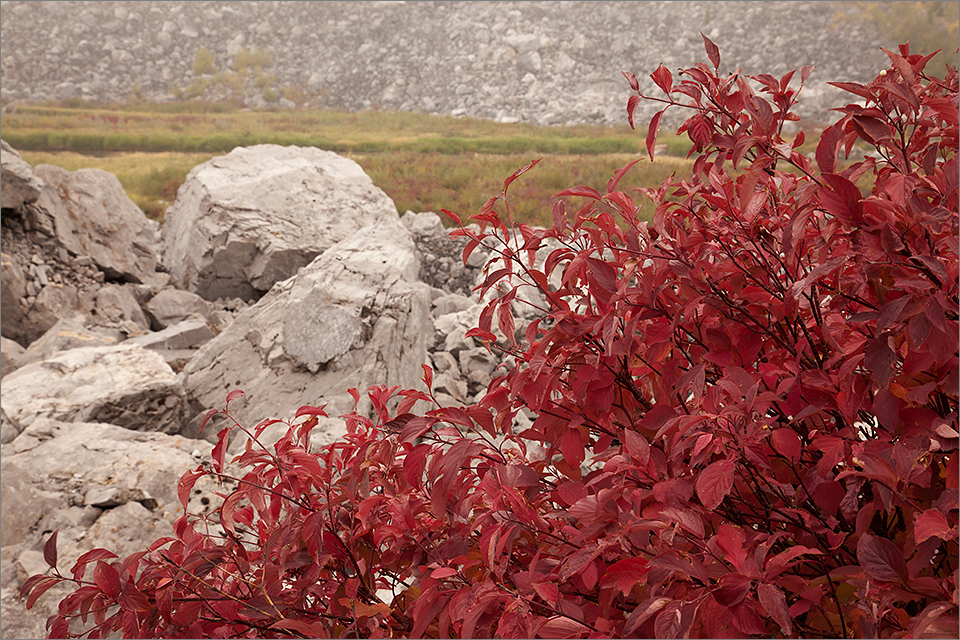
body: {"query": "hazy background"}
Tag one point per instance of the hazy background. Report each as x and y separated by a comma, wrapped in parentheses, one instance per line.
(550, 63)
(437, 101)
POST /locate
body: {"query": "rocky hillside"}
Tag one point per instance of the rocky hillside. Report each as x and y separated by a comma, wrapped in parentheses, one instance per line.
(537, 62)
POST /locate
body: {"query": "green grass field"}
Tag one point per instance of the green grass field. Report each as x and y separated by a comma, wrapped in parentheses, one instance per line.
(423, 163)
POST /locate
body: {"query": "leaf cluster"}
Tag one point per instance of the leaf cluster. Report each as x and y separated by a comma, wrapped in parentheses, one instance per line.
(744, 415)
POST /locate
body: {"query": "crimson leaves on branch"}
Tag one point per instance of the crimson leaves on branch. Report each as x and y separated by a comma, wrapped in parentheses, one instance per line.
(744, 416)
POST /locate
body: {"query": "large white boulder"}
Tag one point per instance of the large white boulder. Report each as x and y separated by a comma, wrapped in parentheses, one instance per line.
(354, 317)
(98, 485)
(18, 183)
(243, 221)
(88, 213)
(125, 385)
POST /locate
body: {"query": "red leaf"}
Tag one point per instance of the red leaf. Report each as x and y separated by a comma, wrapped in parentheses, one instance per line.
(731, 540)
(519, 172)
(775, 604)
(90, 556)
(581, 191)
(443, 572)
(786, 442)
(414, 463)
(881, 559)
(226, 511)
(233, 395)
(871, 129)
(306, 629)
(663, 78)
(632, 79)
(107, 578)
(652, 132)
(207, 417)
(632, 103)
(453, 216)
(829, 148)
(626, 573)
(307, 410)
(548, 591)
(42, 586)
(506, 322)
(930, 523)
(880, 357)
(828, 496)
(612, 182)
(783, 560)
(714, 483)
(732, 589)
(572, 448)
(712, 51)
(50, 549)
(415, 428)
(668, 623)
(562, 627)
(644, 611)
(842, 200)
(427, 376)
(220, 449)
(581, 558)
(185, 486)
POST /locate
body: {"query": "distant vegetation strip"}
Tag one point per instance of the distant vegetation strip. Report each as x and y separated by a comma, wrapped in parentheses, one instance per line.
(423, 162)
(101, 143)
(94, 130)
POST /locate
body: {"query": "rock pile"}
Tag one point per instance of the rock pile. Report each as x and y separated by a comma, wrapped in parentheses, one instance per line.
(284, 272)
(536, 62)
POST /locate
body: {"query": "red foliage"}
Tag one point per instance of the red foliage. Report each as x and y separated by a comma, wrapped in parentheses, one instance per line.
(745, 417)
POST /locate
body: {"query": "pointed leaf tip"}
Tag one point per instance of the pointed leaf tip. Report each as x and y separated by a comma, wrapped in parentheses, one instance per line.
(50, 549)
(713, 52)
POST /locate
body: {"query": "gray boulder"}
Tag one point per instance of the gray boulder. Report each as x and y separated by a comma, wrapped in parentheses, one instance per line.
(90, 464)
(13, 288)
(125, 385)
(243, 221)
(68, 334)
(102, 486)
(88, 213)
(352, 318)
(53, 303)
(11, 356)
(170, 306)
(186, 334)
(117, 305)
(18, 183)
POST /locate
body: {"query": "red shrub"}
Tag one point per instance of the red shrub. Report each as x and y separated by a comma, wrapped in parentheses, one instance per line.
(745, 417)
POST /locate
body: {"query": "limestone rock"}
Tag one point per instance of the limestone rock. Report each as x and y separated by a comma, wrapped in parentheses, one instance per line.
(131, 475)
(170, 306)
(18, 183)
(352, 318)
(53, 303)
(125, 385)
(89, 214)
(100, 465)
(186, 334)
(11, 356)
(117, 305)
(13, 288)
(243, 221)
(451, 303)
(68, 334)
(441, 255)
